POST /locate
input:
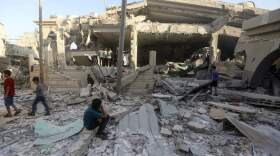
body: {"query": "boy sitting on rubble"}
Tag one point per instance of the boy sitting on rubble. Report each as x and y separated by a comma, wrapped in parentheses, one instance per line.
(40, 97)
(94, 116)
(215, 79)
(9, 93)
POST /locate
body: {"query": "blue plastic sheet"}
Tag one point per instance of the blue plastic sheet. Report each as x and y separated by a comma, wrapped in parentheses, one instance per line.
(50, 133)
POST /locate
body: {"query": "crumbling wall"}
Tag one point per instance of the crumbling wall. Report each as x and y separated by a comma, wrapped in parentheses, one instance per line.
(3, 37)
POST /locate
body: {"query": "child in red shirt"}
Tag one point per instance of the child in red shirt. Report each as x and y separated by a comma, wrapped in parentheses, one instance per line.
(9, 93)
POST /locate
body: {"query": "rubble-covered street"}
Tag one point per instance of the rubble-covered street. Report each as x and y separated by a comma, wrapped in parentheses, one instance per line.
(199, 125)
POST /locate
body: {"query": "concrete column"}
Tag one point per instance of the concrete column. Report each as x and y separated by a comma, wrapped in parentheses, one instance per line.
(153, 58)
(214, 45)
(134, 48)
(2, 48)
(61, 51)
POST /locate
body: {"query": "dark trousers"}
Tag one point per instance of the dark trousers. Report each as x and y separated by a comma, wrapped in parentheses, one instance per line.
(102, 125)
(41, 99)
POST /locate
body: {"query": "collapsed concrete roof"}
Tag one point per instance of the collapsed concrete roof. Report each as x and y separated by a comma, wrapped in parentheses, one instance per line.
(190, 11)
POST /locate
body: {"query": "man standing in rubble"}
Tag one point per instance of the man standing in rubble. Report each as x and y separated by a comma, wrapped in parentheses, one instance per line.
(96, 116)
(9, 93)
(215, 80)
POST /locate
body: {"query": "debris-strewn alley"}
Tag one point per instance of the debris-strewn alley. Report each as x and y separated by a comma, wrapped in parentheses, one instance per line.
(148, 78)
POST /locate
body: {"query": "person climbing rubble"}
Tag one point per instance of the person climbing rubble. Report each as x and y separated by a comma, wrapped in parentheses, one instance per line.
(40, 97)
(94, 116)
(215, 79)
(9, 93)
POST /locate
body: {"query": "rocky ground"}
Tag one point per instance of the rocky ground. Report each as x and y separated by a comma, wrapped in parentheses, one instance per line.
(194, 126)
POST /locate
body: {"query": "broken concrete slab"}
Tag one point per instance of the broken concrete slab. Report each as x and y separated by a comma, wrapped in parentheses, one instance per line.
(254, 98)
(167, 109)
(165, 132)
(239, 109)
(183, 147)
(76, 101)
(85, 92)
(198, 149)
(80, 147)
(266, 138)
(196, 126)
(144, 122)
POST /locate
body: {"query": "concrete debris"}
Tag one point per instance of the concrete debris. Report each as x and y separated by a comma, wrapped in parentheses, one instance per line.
(199, 149)
(183, 147)
(80, 147)
(143, 122)
(185, 113)
(165, 132)
(196, 126)
(178, 128)
(217, 114)
(162, 96)
(202, 110)
(85, 92)
(167, 109)
(172, 87)
(172, 49)
(239, 109)
(265, 137)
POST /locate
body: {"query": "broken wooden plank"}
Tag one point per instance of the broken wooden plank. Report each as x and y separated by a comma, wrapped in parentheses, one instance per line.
(239, 109)
(268, 140)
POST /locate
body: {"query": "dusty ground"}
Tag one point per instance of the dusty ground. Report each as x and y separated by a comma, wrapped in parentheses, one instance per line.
(187, 126)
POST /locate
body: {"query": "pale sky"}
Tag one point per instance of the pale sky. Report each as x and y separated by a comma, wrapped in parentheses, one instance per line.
(18, 15)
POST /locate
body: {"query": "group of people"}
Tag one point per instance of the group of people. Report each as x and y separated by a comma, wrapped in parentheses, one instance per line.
(94, 116)
(105, 57)
(9, 93)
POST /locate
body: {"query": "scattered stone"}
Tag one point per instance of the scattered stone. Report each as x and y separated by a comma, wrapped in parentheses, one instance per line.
(185, 113)
(183, 147)
(165, 132)
(202, 110)
(217, 114)
(199, 149)
(195, 126)
(162, 96)
(178, 128)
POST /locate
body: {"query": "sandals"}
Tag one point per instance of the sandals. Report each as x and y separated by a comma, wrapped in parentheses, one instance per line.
(7, 116)
(17, 112)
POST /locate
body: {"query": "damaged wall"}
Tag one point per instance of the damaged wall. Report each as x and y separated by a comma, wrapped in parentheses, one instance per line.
(3, 37)
(261, 43)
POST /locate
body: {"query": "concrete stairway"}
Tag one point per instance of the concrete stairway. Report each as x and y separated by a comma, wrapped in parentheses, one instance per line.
(143, 84)
(59, 82)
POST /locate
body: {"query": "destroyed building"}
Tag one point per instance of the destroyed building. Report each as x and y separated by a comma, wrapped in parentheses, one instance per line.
(165, 115)
(259, 47)
(3, 38)
(175, 29)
